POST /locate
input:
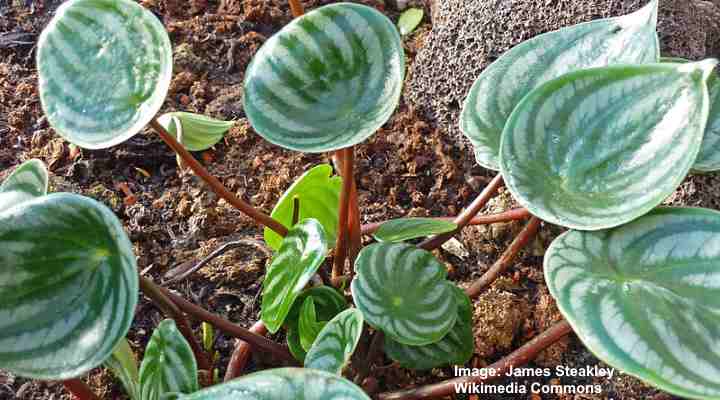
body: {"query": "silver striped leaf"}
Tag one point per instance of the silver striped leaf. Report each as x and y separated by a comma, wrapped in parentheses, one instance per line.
(401, 229)
(630, 39)
(318, 192)
(198, 132)
(709, 158)
(308, 325)
(168, 365)
(402, 291)
(597, 148)
(123, 364)
(645, 297)
(283, 384)
(104, 68)
(454, 348)
(27, 182)
(69, 286)
(336, 342)
(327, 80)
(300, 255)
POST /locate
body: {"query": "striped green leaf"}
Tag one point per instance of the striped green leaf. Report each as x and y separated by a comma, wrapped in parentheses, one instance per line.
(27, 182)
(328, 303)
(645, 297)
(283, 384)
(168, 365)
(104, 68)
(309, 326)
(709, 158)
(123, 365)
(319, 194)
(197, 132)
(630, 39)
(336, 342)
(327, 80)
(402, 291)
(454, 348)
(300, 255)
(69, 286)
(398, 230)
(598, 148)
(293, 342)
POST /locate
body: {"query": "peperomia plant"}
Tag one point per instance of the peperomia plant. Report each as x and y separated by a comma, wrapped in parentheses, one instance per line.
(590, 130)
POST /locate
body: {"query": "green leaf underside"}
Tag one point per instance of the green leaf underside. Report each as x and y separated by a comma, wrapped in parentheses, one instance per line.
(319, 194)
(328, 303)
(398, 230)
(199, 132)
(283, 384)
(336, 342)
(309, 326)
(327, 80)
(629, 39)
(402, 291)
(598, 148)
(168, 365)
(454, 348)
(645, 297)
(104, 69)
(28, 181)
(123, 365)
(68, 286)
(301, 253)
(409, 20)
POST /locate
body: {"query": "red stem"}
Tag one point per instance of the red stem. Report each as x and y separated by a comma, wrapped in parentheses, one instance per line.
(515, 214)
(79, 389)
(345, 160)
(241, 355)
(296, 8)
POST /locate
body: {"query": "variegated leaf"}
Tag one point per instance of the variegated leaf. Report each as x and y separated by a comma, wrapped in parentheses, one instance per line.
(28, 181)
(199, 132)
(309, 326)
(328, 303)
(398, 230)
(336, 342)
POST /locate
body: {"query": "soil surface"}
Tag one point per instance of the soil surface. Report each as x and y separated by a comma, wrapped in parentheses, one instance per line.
(411, 167)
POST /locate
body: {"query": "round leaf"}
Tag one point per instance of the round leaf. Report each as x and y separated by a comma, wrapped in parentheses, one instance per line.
(327, 80)
(454, 348)
(199, 132)
(283, 384)
(629, 39)
(28, 181)
(398, 230)
(104, 69)
(645, 297)
(69, 286)
(409, 20)
(300, 254)
(319, 194)
(402, 291)
(598, 148)
(336, 342)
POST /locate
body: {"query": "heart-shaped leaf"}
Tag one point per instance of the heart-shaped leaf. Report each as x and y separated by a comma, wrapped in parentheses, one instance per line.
(336, 342)
(398, 230)
(309, 326)
(454, 348)
(300, 254)
(123, 365)
(283, 384)
(409, 20)
(598, 148)
(629, 39)
(402, 291)
(69, 286)
(328, 303)
(198, 132)
(104, 68)
(168, 365)
(28, 181)
(645, 297)
(318, 192)
(327, 80)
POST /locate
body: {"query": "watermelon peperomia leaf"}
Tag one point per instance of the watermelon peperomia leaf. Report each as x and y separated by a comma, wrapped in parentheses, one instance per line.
(398, 230)
(336, 342)
(123, 365)
(28, 181)
(328, 303)
(709, 158)
(409, 20)
(198, 131)
(308, 325)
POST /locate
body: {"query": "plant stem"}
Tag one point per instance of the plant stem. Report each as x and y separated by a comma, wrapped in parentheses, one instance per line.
(504, 261)
(168, 307)
(241, 354)
(296, 210)
(296, 8)
(466, 215)
(376, 345)
(515, 214)
(354, 228)
(215, 183)
(79, 389)
(519, 357)
(345, 159)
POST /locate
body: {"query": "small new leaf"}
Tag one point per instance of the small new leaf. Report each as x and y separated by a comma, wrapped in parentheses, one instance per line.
(308, 326)
(398, 230)
(198, 131)
(409, 20)
(28, 181)
(336, 342)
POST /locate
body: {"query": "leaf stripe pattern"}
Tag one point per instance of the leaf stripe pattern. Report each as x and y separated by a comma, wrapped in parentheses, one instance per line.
(645, 297)
(104, 68)
(398, 230)
(309, 326)
(123, 364)
(336, 342)
(630, 39)
(709, 158)
(402, 291)
(327, 80)
(68, 286)
(597, 148)
(26, 182)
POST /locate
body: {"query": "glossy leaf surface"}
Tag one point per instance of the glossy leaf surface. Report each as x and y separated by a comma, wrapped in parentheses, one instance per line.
(319, 194)
(28, 181)
(300, 254)
(104, 69)
(630, 39)
(123, 365)
(327, 80)
(69, 286)
(645, 297)
(198, 132)
(398, 230)
(309, 326)
(328, 303)
(336, 342)
(709, 158)
(598, 148)
(402, 291)
(409, 20)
